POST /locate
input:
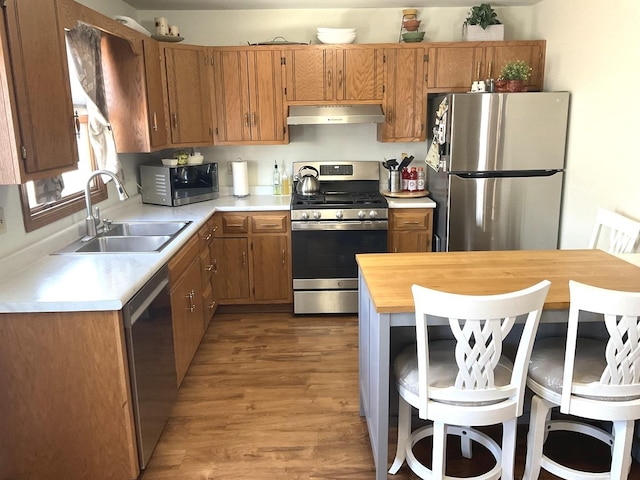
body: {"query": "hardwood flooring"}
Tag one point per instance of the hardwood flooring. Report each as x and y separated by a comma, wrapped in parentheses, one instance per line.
(273, 396)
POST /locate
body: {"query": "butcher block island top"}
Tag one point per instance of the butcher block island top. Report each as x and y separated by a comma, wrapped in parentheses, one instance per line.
(389, 276)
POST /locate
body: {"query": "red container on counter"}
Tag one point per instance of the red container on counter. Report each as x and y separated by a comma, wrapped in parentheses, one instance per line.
(405, 179)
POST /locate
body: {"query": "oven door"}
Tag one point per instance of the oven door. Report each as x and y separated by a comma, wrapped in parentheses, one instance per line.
(325, 272)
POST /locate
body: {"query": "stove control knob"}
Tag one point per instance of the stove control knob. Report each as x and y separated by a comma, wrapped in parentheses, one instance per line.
(339, 214)
(373, 214)
(361, 215)
(316, 215)
(304, 216)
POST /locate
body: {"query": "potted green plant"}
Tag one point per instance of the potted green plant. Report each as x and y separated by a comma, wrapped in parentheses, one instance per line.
(513, 76)
(482, 24)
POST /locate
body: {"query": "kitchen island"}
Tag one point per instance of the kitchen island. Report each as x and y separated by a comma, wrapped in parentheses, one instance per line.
(386, 305)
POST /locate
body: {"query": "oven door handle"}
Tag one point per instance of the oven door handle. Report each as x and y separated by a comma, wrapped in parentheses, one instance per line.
(341, 225)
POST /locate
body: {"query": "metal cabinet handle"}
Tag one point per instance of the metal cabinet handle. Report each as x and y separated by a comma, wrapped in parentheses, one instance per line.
(268, 225)
(192, 305)
(284, 257)
(253, 118)
(215, 267)
(411, 223)
(76, 121)
(246, 119)
(175, 120)
(208, 268)
(339, 78)
(207, 237)
(155, 122)
(244, 258)
(330, 78)
(212, 305)
(490, 75)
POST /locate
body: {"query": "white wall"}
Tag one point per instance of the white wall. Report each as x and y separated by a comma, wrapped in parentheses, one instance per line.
(593, 51)
(239, 27)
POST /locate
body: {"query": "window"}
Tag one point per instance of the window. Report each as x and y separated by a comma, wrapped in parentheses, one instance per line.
(40, 212)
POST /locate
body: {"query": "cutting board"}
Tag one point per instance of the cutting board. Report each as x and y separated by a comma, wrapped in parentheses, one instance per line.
(422, 193)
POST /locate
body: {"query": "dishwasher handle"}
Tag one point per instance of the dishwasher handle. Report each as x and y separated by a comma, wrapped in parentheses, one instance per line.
(143, 298)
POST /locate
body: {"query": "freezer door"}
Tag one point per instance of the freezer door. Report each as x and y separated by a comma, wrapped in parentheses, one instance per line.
(508, 213)
(507, 131)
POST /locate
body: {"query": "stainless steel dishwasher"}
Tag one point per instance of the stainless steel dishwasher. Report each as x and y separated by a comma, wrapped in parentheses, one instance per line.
(149, 337)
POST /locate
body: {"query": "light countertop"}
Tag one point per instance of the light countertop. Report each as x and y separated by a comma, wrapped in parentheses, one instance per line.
(41, 282)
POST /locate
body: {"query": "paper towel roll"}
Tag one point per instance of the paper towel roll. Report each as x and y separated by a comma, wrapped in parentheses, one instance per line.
(240, 178)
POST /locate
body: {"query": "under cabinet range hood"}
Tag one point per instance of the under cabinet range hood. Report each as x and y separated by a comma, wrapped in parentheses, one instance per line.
(329, 114)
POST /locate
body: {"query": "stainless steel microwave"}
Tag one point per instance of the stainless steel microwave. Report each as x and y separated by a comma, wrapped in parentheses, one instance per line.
(175, 186)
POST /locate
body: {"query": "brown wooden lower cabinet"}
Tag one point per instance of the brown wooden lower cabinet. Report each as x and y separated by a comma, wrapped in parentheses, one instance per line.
(65, 399)
(410, 230)
(251, 255)
(186, 304)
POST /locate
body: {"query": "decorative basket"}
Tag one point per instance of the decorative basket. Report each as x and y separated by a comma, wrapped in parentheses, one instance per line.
(475, 33)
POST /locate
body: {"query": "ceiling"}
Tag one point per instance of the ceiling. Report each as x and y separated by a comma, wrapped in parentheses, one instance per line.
(312, 4)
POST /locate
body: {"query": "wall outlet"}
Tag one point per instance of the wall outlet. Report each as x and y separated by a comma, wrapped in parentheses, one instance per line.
(3, 224)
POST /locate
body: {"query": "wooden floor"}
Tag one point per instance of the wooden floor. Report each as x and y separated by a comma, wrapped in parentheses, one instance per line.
(273, 396)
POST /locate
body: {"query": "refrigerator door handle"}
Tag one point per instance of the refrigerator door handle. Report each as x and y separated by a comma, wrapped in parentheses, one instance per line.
(507, 174)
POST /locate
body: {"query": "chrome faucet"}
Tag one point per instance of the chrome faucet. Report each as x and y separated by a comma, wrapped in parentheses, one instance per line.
(92, 220)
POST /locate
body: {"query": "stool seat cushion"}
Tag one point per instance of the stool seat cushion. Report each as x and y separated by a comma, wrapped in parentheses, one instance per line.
(442, 368)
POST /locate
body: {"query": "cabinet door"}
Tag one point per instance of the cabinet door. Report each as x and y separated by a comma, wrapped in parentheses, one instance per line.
(188, 319)
(530, 52)
(45, 144)
(405, 96)
(272, 268)
(410, 230)
(266, 98)
(309, 75)
(154, 66)
(359, 74)
(188, 92)
(231, 101)
(454, 68)
(231, 268)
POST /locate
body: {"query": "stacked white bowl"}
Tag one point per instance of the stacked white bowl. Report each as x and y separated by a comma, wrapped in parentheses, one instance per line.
(336, 35)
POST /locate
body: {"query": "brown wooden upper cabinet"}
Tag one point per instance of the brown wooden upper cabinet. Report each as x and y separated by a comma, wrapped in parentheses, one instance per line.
(248, 97)
(348, 73)
(156, 114)
(187, 70)
(405, 96)
(37, 129)
(454, 66)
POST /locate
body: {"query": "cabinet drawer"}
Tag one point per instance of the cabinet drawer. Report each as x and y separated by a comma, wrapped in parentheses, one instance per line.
(232, 223)
(411, 219)
(270, 222)
(181, 260)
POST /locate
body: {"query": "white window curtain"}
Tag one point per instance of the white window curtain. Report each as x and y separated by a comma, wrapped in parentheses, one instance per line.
(83, 43)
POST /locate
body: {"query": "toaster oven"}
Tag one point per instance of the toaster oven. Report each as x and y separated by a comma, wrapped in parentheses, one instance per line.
(180, 185)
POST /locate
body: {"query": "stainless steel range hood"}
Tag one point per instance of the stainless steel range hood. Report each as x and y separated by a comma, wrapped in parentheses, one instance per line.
(329, 114)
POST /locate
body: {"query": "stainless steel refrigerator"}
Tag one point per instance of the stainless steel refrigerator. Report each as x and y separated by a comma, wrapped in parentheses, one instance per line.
(497, 169)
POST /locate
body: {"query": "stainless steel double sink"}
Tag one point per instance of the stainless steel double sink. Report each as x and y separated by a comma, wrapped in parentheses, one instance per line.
(129, 237)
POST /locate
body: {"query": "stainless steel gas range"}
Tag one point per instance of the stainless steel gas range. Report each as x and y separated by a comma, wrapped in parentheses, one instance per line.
(348, 215)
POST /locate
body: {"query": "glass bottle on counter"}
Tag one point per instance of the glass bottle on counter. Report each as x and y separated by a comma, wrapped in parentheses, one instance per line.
(413, 180)
(285, 180)
(405, 179)
(277, 186)
(422, 180)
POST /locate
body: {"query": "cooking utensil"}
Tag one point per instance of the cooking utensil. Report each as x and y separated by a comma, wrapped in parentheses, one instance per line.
(308, 184)
(393, 163)
(405, 162)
